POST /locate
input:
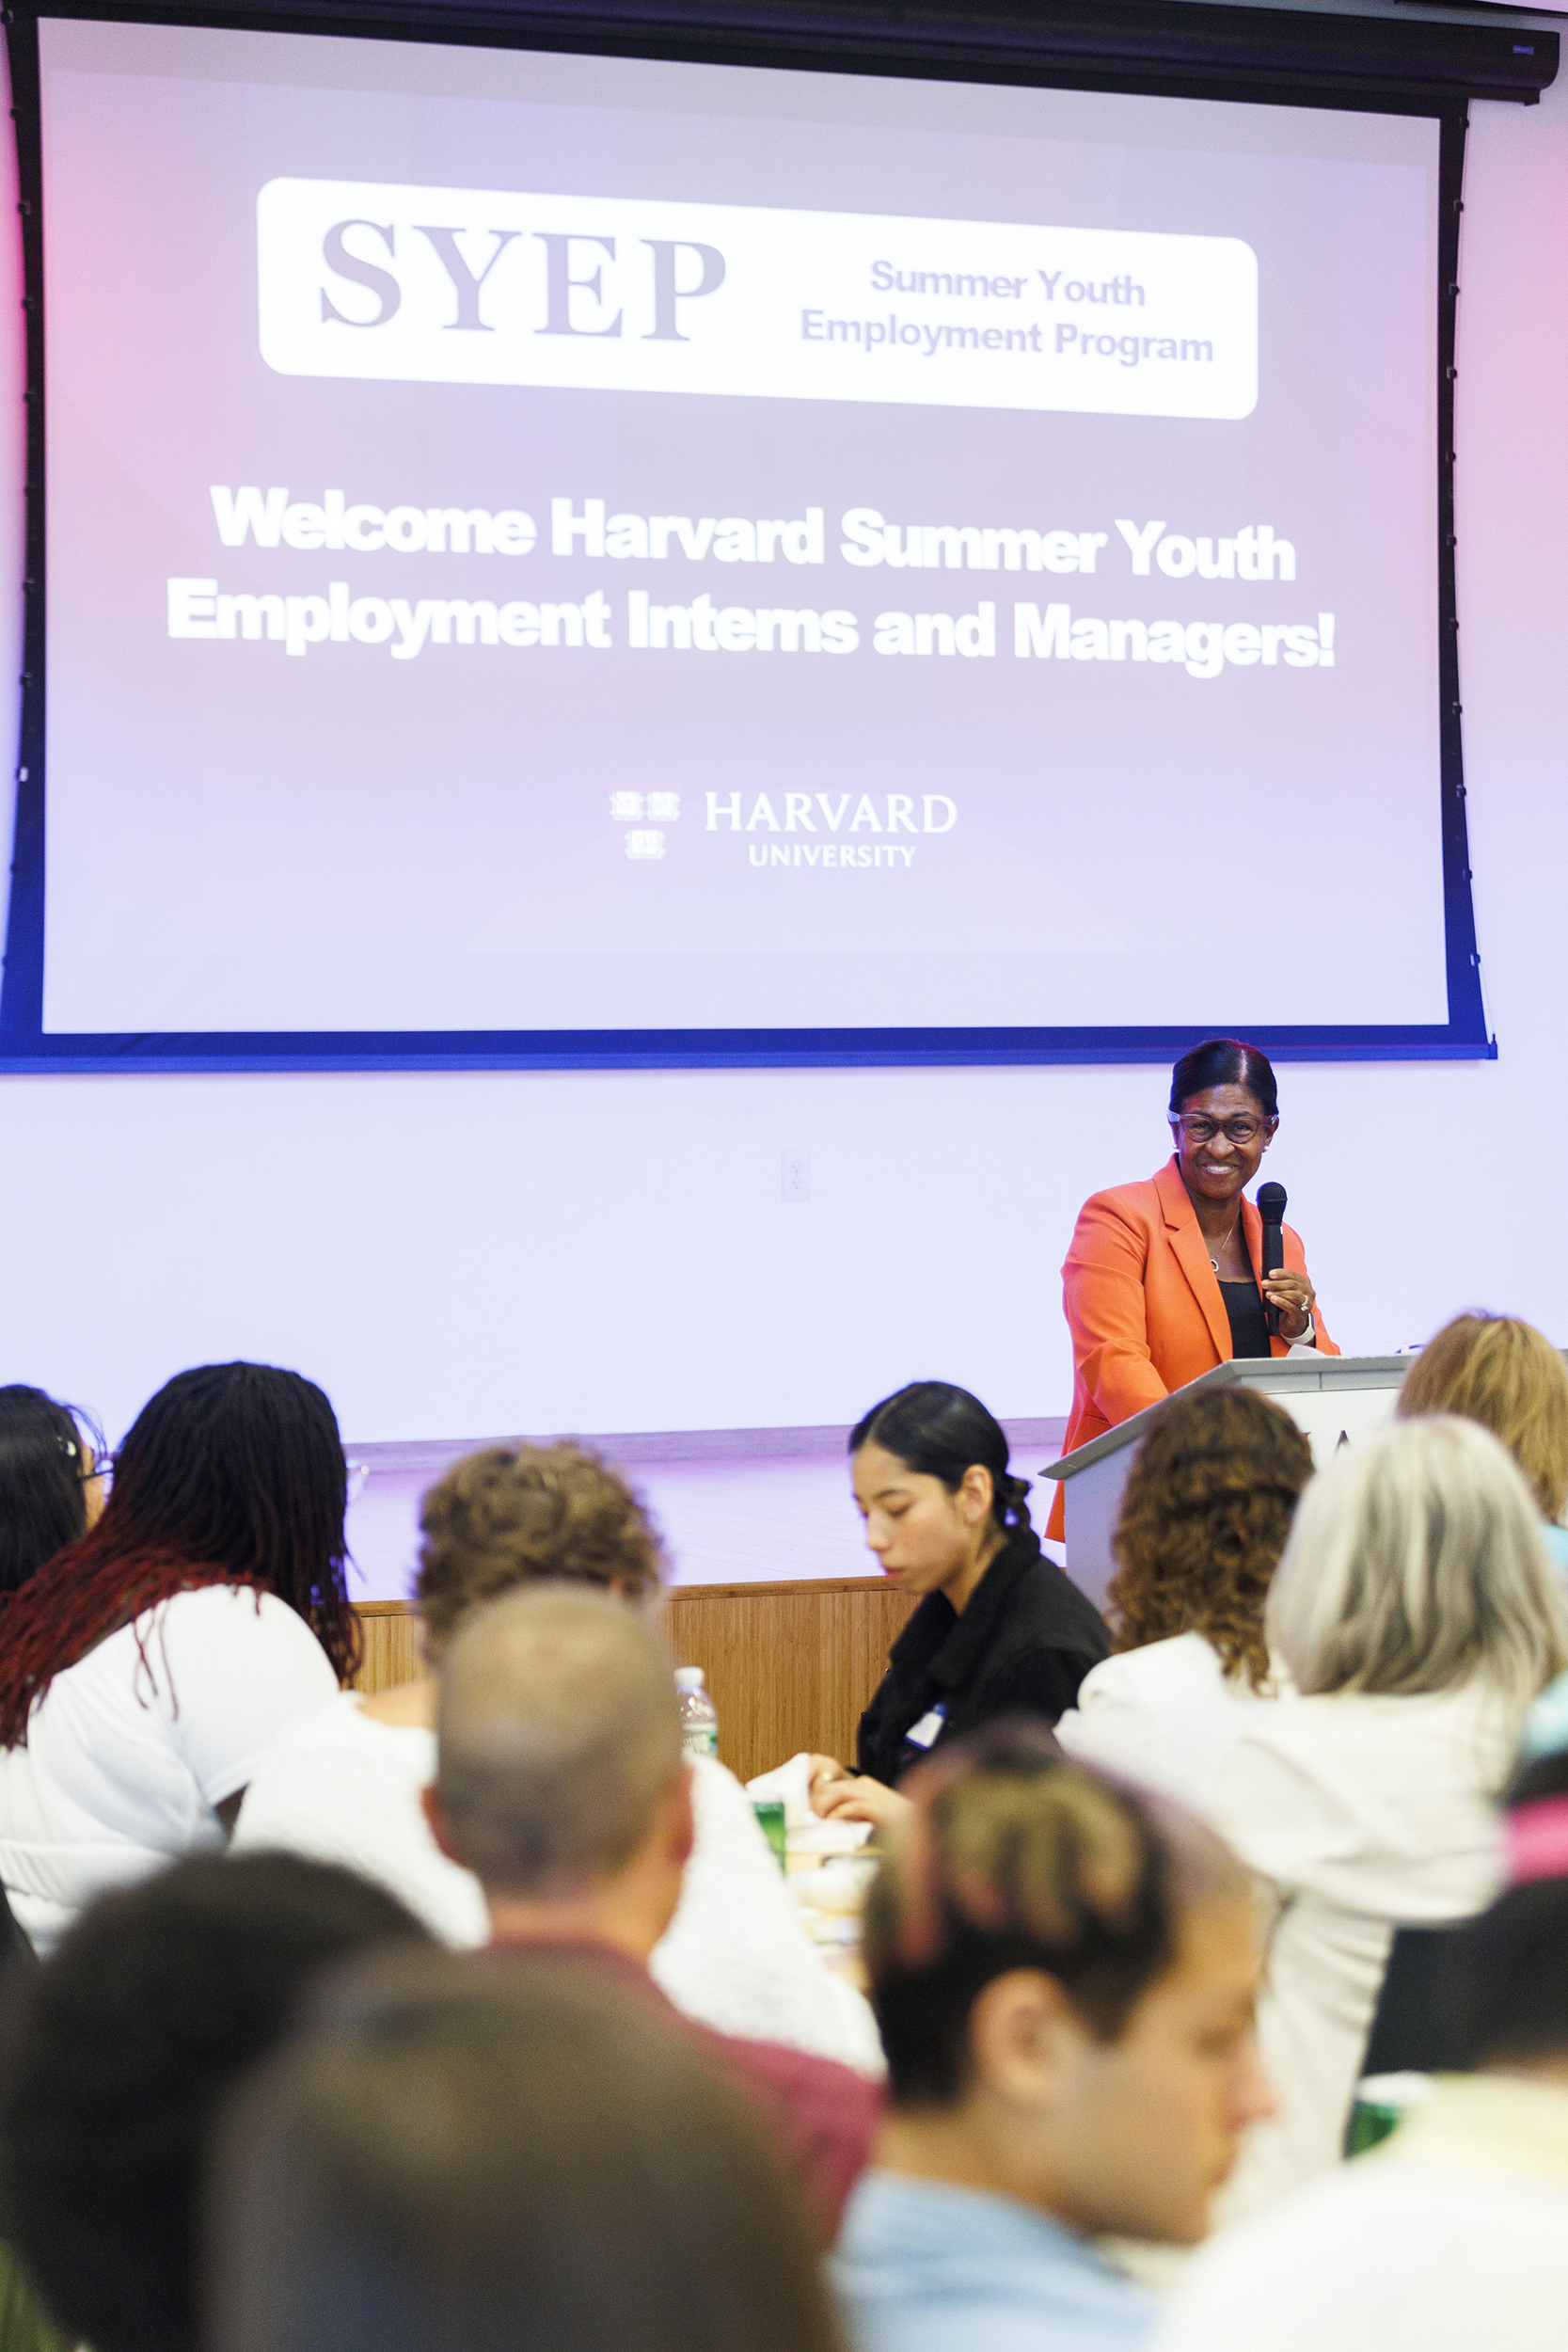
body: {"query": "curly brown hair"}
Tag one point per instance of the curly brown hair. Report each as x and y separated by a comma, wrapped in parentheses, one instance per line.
(503, 1518)
(1208, 1507)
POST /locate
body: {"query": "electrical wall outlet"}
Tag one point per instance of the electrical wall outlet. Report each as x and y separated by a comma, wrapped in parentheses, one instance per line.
(796, 1176)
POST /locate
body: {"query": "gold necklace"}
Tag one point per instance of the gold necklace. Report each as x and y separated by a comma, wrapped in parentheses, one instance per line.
(1229, 1237)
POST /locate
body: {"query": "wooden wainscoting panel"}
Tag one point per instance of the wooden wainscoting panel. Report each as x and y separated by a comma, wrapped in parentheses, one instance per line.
(788, 1666)
(391, 1633)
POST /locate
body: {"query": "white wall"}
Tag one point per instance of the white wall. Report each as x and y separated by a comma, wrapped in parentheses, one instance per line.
(462, 1255)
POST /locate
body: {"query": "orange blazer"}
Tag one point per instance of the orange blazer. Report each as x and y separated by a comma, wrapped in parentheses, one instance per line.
(1143, 1303)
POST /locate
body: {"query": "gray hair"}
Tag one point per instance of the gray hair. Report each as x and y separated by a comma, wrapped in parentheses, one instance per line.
(1415, 1563)
(558, 1734)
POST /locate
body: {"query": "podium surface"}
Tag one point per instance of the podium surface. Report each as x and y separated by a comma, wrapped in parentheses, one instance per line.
(1334, 1400)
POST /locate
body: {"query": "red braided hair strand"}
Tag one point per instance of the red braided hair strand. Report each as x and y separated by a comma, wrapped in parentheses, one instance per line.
(71, 1606)
(232, 1474)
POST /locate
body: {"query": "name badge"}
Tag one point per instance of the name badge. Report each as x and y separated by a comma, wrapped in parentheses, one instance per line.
(922, 1734)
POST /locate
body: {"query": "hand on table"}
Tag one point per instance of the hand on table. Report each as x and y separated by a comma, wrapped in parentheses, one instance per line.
(1293, 1293)
(841, 1796)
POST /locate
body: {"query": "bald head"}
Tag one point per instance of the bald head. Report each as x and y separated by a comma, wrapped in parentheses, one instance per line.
(559, 1736)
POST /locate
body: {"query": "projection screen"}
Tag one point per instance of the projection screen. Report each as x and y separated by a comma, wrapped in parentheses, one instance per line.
(587, 557)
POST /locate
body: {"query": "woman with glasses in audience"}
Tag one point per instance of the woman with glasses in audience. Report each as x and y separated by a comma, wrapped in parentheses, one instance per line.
(1205, 1516)
(1418, 1615)
(146, 1669)
(53, 1481)
(1164, 1280)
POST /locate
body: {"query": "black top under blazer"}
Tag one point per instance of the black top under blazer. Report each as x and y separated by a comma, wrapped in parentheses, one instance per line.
(1021, 1648)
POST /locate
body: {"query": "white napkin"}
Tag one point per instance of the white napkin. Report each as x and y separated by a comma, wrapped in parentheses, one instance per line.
(807, 1833)
(788, 1784)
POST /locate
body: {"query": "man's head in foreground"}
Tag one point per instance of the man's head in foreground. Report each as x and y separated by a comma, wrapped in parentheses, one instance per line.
(119, 2051)
(1064, 1970)
(561, 1780)
(461, 2159)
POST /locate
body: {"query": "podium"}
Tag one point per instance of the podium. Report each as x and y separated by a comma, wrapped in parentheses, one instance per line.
(1334, 1400)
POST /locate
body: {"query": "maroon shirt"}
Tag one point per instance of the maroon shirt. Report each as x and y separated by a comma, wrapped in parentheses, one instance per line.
(823, 2115)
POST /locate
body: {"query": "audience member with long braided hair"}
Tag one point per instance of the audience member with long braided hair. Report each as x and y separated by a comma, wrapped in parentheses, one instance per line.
(1208, 1507)
(145, 1667)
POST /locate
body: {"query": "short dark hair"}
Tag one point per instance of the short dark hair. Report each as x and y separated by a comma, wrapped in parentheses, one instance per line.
(1507, 1971)
(1224, 1061)
(558, 1737)
(593, 2184)
(1016, 1859)
(118, 2053)
(942, 1431)
(43, 1504)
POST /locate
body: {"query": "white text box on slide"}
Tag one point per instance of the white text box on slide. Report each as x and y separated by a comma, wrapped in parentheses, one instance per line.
(370, 279)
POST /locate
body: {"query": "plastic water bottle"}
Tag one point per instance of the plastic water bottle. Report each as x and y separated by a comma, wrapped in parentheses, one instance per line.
(698, 1722)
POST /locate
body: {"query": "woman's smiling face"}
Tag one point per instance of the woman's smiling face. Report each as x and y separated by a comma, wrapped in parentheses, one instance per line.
(1223, 1158)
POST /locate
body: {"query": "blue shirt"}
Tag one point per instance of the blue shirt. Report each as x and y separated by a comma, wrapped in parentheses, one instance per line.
(921, 2266)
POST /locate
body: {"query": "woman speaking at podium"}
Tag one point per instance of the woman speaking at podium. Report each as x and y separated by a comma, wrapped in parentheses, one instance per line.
(1164, 1280)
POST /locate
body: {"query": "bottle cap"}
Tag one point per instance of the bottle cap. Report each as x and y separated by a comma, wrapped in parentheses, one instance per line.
(688, 1678)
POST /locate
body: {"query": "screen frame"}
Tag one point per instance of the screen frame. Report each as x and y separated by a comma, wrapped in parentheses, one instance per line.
(938, 43)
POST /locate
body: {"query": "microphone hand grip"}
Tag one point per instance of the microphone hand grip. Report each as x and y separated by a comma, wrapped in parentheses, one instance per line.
(1271, 1206)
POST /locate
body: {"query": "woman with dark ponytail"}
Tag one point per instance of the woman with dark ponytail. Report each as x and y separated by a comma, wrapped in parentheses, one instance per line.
(999, 1630)
(148, 1665)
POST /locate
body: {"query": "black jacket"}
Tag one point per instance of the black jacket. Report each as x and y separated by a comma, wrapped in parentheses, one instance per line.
(1024, 1644)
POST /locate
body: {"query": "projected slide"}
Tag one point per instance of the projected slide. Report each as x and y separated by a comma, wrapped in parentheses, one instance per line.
(545, 544)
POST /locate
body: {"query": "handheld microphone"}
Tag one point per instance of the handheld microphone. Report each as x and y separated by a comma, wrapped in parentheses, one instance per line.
(1271, 1208)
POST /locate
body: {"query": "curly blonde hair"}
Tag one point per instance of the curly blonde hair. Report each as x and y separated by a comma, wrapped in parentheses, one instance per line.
(1508, 1375)
(501, 1518)
(1207, 1509)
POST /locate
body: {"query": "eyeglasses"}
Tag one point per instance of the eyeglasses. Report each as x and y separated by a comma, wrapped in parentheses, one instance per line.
(1241, 1131)
(102, 1467)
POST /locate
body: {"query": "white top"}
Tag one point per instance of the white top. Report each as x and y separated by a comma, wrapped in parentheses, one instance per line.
(1167, 1714)
(130, 1751)
(1364, 1813)
(343, 1788)
(1452, 2237)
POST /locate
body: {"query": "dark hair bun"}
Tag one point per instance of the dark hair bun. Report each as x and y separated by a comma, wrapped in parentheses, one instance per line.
(1224, 1061)
(942, 1431)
